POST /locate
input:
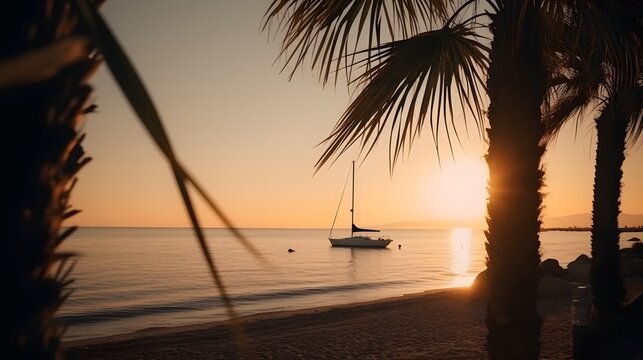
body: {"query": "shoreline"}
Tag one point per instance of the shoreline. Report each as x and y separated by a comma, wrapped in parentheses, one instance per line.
(435, 324)
(263, 316)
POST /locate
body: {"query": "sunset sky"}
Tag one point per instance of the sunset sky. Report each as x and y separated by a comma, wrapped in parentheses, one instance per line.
(249, 135)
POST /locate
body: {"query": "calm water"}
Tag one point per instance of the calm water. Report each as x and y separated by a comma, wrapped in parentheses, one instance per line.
(129, 279)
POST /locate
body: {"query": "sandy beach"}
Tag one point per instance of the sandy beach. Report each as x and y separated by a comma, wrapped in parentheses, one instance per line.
(445, 324)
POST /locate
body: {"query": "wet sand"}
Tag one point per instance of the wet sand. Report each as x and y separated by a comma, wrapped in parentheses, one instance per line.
(444, 324)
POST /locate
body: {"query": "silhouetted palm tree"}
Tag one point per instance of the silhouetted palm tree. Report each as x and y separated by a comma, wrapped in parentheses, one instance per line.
(43, 97)
(413, 79)
(45, 62)
(601, 64)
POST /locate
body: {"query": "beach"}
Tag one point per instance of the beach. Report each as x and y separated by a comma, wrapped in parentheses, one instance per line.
(446, 324)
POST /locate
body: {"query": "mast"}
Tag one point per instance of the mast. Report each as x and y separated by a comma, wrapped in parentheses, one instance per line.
(353, 201)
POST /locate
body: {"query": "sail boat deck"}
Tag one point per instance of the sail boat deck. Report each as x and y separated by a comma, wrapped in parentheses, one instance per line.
(360, 241)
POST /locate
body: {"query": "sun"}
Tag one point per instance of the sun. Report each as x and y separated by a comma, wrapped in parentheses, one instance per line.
(459, 190)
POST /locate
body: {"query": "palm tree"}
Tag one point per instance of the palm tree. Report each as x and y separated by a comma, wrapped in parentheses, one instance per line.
(600, 63)
(405, 80)
(43, 97)
(621, 110)
(45, 62)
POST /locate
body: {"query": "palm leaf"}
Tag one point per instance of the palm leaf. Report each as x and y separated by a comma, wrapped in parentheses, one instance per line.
(615, 27)
(569, 97)
(569, 102)
(636, 121)
(329, 31)
(414, 79)
(132, 86)
(594, 59)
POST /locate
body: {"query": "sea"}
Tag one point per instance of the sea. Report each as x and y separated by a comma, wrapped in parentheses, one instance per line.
(130, 279)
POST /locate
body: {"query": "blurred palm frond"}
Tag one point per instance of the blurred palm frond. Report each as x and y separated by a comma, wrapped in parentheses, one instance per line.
(138, 97)
(43, 63)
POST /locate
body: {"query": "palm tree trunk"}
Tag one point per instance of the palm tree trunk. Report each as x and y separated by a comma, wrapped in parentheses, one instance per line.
(607, 285)
(41, 154)
(516, 90)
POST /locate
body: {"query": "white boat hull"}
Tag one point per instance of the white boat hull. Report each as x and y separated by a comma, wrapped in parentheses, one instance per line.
(360, 241)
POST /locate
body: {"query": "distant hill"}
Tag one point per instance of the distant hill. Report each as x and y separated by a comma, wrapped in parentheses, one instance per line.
(431, 224)
(585, 220)
(577, 220)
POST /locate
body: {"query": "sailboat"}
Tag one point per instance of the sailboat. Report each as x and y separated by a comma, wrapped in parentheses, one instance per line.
(358, 240)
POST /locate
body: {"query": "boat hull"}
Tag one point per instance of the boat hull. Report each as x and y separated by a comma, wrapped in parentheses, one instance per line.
(360, 241)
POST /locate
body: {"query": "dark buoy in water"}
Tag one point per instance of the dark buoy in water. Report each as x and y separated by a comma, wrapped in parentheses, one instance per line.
(399, 246)
(291, 250)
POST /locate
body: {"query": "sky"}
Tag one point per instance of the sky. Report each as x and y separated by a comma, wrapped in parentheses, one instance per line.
(250, 136)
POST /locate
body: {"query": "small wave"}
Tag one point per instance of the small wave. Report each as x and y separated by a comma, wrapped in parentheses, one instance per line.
(200, 303)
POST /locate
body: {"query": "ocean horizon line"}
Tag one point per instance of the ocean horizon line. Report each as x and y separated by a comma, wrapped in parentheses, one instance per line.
(544, 229)
(263, 228)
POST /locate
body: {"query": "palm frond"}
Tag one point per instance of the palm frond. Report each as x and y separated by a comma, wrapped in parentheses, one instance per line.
(414, 79)
(129, 81)
(615, 28)
(592, 51)
(571, 101)
(329, 31)
(636, 120)
(577, 83)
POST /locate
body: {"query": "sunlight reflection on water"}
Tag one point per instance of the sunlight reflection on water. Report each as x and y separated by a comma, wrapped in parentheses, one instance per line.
(461, 239)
